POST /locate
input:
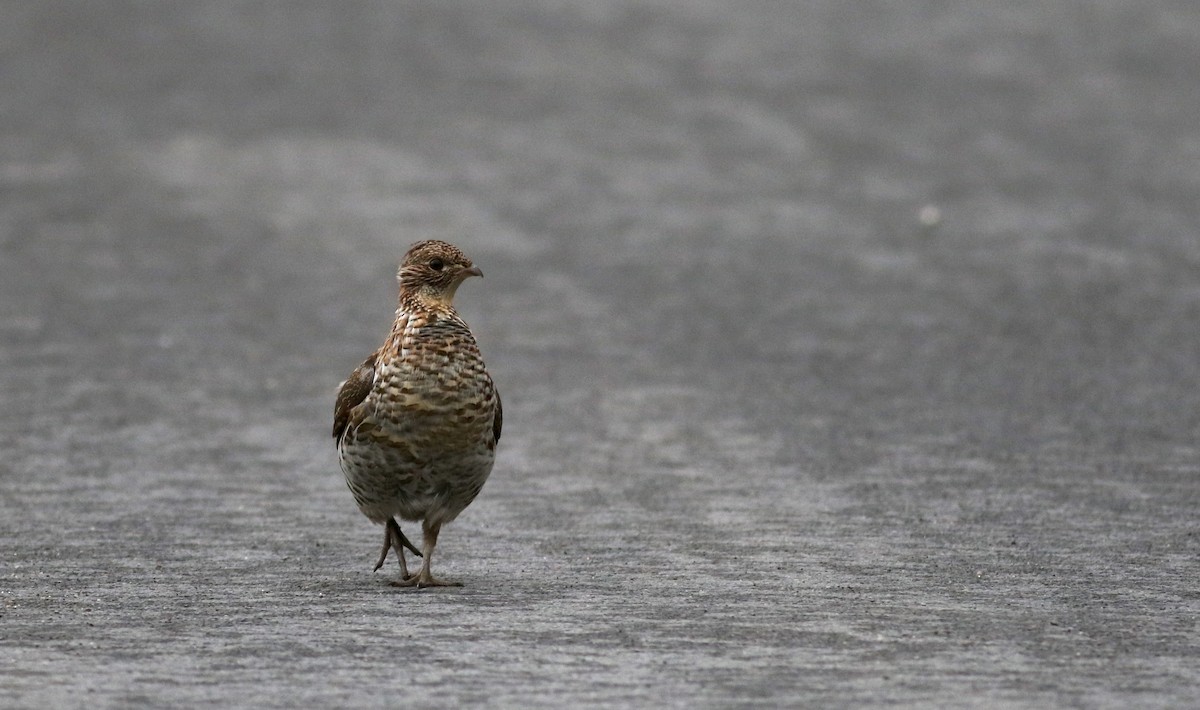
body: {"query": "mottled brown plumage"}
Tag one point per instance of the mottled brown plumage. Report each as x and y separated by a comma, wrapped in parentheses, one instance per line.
(417, 422)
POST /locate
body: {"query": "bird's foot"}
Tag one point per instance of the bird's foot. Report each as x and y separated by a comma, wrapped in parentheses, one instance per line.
(394, 539)
(423, 579)
(383, 556)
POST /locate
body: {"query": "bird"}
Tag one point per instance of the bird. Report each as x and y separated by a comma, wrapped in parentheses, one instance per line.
(417, 423)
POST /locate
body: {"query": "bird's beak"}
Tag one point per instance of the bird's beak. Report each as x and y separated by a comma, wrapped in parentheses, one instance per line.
(473, 271)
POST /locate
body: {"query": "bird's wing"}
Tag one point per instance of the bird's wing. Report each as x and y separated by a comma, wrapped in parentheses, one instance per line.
(498, 421)
(354, 390)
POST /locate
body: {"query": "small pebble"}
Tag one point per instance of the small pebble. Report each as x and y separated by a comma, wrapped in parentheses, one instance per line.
(930, 216)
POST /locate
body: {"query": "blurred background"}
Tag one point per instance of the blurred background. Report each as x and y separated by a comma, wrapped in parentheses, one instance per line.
(848, 350)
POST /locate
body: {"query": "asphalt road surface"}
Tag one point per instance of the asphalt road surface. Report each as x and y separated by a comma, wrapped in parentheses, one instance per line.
(849, 351)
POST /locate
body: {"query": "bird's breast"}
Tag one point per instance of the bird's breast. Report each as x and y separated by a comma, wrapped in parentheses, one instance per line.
(435, 393)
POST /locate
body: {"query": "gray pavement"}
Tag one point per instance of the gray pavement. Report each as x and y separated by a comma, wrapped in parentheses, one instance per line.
(849, 351)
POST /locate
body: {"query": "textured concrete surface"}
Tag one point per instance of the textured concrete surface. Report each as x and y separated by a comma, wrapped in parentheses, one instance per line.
(849, 351)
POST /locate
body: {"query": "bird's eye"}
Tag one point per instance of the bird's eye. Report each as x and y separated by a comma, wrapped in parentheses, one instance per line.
(436, 264)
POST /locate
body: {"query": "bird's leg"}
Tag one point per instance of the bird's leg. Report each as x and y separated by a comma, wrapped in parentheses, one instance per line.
(398, 538)
(424, 578)
(387, 547)
(394, 539)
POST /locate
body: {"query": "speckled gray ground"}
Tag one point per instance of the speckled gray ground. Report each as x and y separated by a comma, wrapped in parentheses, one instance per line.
(771, 438)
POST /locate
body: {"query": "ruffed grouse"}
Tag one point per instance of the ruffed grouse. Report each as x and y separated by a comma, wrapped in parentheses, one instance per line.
(417, 423)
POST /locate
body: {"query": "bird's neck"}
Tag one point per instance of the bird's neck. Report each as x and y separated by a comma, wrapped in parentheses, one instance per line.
(415, 301)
